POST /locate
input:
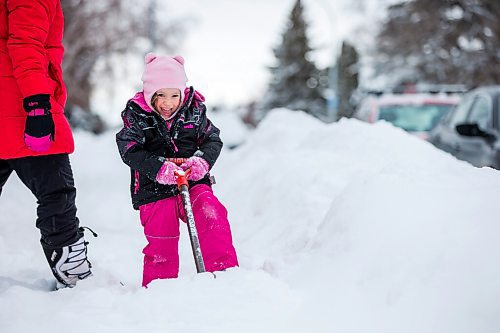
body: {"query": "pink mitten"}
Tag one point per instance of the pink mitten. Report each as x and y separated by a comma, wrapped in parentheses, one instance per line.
(199, 167)
(166, 175)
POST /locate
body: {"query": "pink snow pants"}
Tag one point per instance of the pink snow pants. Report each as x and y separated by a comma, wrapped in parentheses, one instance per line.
(160, 220)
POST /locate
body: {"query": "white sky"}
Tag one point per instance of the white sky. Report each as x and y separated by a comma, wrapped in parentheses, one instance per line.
(228, 49)
(228, 45)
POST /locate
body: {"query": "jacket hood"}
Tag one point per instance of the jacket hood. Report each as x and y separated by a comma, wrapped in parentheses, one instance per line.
(141, 101)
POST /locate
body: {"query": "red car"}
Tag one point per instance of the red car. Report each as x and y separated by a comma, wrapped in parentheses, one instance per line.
(416, 113)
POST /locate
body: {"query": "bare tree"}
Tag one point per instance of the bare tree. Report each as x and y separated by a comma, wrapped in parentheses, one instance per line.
(95, 30)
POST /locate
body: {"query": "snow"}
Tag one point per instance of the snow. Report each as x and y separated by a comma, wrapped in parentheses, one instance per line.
(235, 130)
(345, 227)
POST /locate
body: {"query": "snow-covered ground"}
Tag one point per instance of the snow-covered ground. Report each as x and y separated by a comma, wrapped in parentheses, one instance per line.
(346, 227)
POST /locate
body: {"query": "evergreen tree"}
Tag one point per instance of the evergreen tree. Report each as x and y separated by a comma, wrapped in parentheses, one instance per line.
(448, 41)
(348, 73)
(295, 80)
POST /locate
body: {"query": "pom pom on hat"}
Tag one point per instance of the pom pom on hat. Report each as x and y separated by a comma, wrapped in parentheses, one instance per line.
(163, 72)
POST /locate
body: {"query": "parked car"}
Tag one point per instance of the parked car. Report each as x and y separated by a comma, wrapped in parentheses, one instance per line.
(416, 113)
(471, 131)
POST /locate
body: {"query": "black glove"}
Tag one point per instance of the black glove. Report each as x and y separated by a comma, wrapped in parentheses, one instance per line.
(39, 130)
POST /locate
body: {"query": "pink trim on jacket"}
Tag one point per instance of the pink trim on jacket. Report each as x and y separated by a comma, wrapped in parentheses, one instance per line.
(139, 100)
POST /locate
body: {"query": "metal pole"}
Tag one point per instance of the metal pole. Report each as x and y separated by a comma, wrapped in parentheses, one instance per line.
(193, 234)
(332, 93)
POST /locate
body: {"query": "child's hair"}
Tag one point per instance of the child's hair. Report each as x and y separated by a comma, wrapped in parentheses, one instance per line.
(153, 101)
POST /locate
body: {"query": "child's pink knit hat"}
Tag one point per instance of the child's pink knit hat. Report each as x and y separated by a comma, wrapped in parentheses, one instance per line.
(163, 72)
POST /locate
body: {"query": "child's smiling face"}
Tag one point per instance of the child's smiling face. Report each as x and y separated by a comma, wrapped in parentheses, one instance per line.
(167, 101)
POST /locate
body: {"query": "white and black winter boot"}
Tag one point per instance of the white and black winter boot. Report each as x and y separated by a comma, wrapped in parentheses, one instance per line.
(69, 264)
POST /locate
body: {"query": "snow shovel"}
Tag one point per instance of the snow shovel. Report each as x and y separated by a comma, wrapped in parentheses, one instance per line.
(182, 184)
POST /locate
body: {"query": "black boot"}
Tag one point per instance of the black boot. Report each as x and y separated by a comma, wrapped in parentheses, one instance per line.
(69, 263)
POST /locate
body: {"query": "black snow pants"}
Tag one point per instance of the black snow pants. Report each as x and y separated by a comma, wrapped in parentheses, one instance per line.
(50, 179)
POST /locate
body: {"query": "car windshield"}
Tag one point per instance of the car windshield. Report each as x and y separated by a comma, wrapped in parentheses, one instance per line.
(414, 118)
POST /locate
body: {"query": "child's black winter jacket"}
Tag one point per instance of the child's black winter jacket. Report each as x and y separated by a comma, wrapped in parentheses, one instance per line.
(145, 142)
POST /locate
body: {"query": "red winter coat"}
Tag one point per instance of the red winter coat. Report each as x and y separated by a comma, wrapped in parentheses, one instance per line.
(31, 53)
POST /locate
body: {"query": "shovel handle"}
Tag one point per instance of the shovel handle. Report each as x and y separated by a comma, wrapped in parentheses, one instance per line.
(182, 183)
(182, 177)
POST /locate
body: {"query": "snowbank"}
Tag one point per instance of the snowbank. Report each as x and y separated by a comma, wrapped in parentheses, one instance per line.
(346, 227)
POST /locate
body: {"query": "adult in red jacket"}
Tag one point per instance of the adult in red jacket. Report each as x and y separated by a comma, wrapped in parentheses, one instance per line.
(35, 135)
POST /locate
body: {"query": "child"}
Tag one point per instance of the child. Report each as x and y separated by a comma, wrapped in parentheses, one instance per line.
(157, 126)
